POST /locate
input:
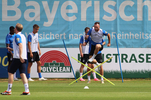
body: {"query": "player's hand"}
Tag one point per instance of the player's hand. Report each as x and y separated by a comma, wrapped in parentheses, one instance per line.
(22, 60)
(81, 54)
(108, 44)
(31, 55)
(39, 53)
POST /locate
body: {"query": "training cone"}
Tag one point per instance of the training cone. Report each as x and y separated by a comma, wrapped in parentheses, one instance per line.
(86, 87)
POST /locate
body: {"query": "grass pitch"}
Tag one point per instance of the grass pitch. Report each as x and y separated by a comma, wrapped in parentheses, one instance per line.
(58, 89)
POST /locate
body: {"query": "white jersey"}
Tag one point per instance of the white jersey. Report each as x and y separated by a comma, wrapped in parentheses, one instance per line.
(97, 36)
(85, 49)
(33, 38)
(19, 38)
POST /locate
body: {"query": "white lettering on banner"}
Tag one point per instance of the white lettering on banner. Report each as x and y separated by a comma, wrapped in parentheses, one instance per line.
(50, 16)
(122, 8)
(96, 10)
(109, 10)
(14, 7)
(84, 7)
(36, 11)
(140, 6)
(6, 15)
(131, 35)
(64, 11)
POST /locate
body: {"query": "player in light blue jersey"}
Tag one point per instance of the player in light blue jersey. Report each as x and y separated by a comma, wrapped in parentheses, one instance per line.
(96, 35)
(9, 45)
(84, 53)
(19, 60)
(98, 59)
(33, 49)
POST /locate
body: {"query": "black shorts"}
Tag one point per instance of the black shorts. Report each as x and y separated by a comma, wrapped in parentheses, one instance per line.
(93, 48)
(85, 58)
(16, 64)
(35, 57)
(9, 57)
(98, 58)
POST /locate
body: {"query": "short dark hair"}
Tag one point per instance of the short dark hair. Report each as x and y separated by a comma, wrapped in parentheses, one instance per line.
(35, 26)
(86, 28)
(11, 28)
(97, 23)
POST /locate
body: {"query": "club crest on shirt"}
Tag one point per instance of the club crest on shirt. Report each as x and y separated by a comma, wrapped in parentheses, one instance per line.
(17, 39)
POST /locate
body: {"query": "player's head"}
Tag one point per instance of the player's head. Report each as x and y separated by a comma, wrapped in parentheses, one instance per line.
(11, 29)
(35, 28)
(86, 30)
(18, 28)
(96, 26)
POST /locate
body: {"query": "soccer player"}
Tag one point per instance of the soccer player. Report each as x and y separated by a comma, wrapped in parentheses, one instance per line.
(84, 53)
(9, 44)
(33, 48)
(96, 35)
(19, 60)
(97, 60)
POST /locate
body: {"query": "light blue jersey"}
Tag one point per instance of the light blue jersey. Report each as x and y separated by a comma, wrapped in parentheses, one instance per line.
(97, 37)
(9, 40)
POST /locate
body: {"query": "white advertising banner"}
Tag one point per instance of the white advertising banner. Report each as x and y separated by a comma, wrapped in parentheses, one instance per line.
(55, 63)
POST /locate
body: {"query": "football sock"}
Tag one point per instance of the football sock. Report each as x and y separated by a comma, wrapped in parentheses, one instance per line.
(9, 87)
(40, 76)
(28, 75)
(102, 78)
(26, 87)
(80, 74)
(88, 78)
(94, 75)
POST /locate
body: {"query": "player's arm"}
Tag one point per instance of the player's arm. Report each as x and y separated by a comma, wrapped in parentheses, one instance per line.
(80, 46)
(109, 40)
(103, 42)
(39, 48)
(29, 45)
(20, 52)
(109, 37)
(86, 41)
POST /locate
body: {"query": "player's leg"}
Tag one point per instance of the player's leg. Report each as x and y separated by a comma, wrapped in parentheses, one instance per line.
(12, 70)
(81, 72)
(100, 60)
(30, 61)
(102, 73)
(94, 74)
(88, 75)
(37, 59)
(28, 71)
(94, 50)
(84, 59)
(22, 70)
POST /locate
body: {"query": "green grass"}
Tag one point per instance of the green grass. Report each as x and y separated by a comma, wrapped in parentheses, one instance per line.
(138, 89)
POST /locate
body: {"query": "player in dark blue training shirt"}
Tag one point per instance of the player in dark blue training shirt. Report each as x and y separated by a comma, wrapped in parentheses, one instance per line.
(9, 44)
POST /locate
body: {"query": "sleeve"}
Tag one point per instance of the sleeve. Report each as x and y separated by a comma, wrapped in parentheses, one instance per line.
(18, 39)
(81, 39)
(7, 40)
(105, 33)
(89, 33)
(29, 38)
(103, 41)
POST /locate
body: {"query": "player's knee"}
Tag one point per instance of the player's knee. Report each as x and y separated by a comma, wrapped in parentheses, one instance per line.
(98, 46)
(39, 63)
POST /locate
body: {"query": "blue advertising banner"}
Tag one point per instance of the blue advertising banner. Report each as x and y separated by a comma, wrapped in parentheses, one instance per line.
(3, 63)
(66, 19)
